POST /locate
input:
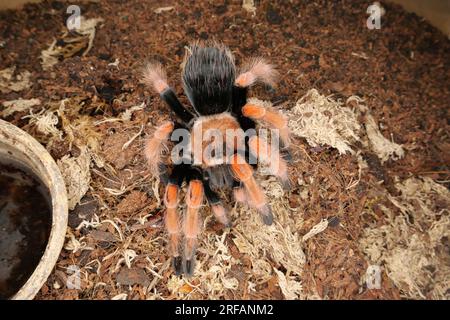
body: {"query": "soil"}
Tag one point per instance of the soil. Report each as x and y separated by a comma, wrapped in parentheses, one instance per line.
(402, 71)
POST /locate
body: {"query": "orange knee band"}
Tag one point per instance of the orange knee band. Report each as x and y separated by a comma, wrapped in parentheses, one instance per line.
(194, 196)
(241, 169)
(171, 196)
(274, 118)
(253, 111)
(171, 202)
(163, 131)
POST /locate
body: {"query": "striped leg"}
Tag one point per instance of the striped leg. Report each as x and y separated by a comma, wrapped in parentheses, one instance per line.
(154, 76)
(192, 222)
(271, 117)
(155, 146)
(220, 212)
(277, 166)
(172, 223)
(257, 70)
(255, 195)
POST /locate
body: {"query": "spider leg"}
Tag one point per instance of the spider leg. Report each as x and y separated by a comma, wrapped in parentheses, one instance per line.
(239, 192)
(192, 222)
(154, 148)
(256, 198)
(219, 176)
(246, 122)
(271, 157)
(155, 77)
(172, 219)
(257, 70)
(271, 117)
(239, 100)
(216, 205)
(169, 96)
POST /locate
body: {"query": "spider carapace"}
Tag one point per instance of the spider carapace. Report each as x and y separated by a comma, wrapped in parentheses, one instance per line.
(219, 99)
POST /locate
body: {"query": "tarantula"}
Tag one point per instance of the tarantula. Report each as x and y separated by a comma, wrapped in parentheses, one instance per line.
(219, 100)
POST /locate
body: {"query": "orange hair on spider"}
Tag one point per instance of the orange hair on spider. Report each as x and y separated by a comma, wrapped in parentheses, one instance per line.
(192, 221)
(221, 214)
(256, 70)
(240, 168)
(274, 118)
(154, 76)
(239, 195)
(277, 166)
(171, 218)
(156, 145)
(194, 195)
(253, 111)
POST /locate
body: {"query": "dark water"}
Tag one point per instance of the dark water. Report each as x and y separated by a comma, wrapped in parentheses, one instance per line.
(25, 222)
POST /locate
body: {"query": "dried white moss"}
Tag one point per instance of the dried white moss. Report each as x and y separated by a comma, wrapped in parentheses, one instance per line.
(411, 245)
(163, 9)
(279, 244)
(45, 122)
(77, 176)
(213, 270)
(127, 114)
(49, 56)
(324, 121)
(290, 287)
(382, 147)
(266, 246)
(81, 131)
(53, 123)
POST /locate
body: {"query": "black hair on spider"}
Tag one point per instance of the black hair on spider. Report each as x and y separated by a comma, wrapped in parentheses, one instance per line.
(208, 76)
(219, 97)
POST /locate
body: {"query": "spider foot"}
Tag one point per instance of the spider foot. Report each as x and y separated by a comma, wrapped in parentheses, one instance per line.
(189, 266)
(286, 155)
(266, 214)
(177, 265)
(221, 215)
(285, 182)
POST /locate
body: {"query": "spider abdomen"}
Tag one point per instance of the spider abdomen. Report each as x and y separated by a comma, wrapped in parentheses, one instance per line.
(208, 77)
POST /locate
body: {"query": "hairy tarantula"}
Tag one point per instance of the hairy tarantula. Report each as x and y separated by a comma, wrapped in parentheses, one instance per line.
(219, 100)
